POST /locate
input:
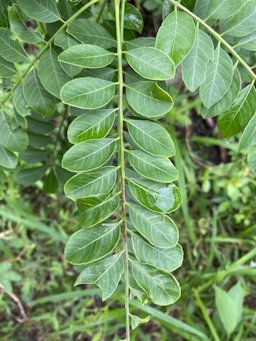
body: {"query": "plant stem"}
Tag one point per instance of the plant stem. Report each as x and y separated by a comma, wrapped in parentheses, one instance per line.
(119, 37)
(49, 42)
(217, 36)
(206, 316)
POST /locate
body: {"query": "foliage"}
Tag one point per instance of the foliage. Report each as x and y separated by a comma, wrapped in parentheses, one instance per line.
(83, 59)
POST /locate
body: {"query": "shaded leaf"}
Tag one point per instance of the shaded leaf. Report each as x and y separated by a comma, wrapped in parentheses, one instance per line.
(133, 19)
(89, 32)
(235, 119)
(13, 139)
(177, 27)
(243, 22)
(42, 10)
(248, 139)
(36, 96)
(222, 9)
(11, 50)
(218, 78)
(7, 158)
(20, 29)
(227, 100)
(51, 73)
(29, 176)
(6, 69)
(194, 67)
(20, 103)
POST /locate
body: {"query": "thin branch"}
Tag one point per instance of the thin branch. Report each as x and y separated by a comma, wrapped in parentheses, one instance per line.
(17, 301)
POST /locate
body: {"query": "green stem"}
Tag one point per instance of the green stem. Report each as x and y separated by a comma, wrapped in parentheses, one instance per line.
(217, 36)
(49, 42)
(206, 316)
(119, 38)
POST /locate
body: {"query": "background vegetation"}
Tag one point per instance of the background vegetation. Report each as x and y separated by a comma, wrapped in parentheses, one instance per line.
(217, 223)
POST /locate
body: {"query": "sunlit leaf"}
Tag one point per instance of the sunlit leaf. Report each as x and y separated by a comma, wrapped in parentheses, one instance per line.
(106, 274)
(89, 245)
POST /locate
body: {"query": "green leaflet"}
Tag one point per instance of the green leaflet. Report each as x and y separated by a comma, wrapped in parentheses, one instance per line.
(176, 27)
(248, 139)
(229, 306)
(227, 100)
(248, 42)
(140, 42)
(232, 121)
(155, 196)
(20, 103)
(11, 50)
(148, 99)
(89, 245)
(13, 139)
(95, 209)
(51, 73)
(30, 176)
(65, 40)
(42, 10)
(242, 23)
(133, 19)
(20, 29)
(194, 67)
(32, 155)
(202, 8)
(6, 69)
(88, 155)
(89, 32)
(91, 183)
(7, 158)
(151, 63)
(218, 78)
(106, 274)
(86, 55)
(154, 168)
(157, 228)
(162, 288)
(252, 160)
(51, 183)
(88, 92)
(96, 124)
(151, 137)
(222, 9)
(36, 96)
(164, 259)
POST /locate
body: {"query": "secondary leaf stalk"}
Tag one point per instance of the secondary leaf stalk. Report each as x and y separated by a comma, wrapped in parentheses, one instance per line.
(119, 15)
